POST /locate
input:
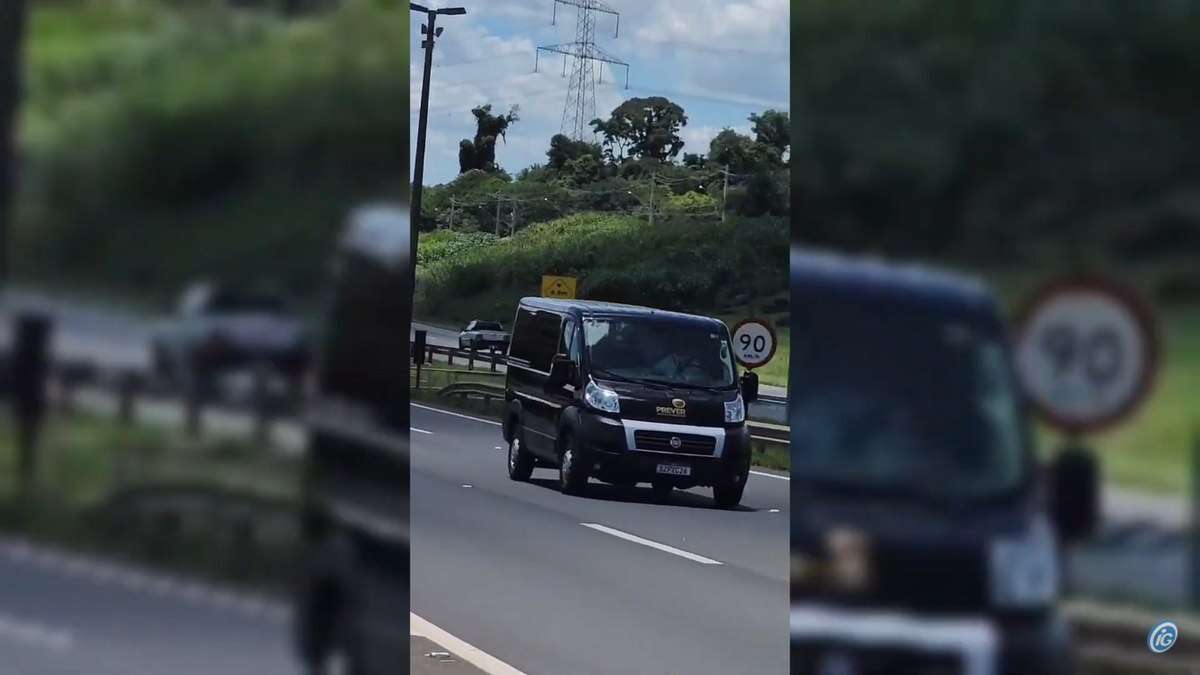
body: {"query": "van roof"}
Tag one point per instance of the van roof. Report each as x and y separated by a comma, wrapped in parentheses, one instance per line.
(821, 274)
(597, 308)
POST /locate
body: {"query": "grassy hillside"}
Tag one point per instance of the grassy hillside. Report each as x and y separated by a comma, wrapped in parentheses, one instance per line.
(163, 141)
(729, 270)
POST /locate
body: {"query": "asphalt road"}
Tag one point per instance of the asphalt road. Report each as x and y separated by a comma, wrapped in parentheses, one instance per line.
(552, 584)
(63, 614)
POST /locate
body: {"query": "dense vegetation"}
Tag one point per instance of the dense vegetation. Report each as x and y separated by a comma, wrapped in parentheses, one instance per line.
(677, 264)
(1011, 131)
(162, 141)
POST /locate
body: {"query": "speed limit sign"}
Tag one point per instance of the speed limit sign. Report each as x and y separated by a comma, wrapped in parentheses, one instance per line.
(753, 343)
(1087, 352)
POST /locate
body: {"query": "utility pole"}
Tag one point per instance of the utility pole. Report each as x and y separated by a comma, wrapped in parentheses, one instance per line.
(498, 203)
(450, 225)
(512, 228)
(12, 33)
(653, 180)
(580, 107)
(430, 31)
(724, 191)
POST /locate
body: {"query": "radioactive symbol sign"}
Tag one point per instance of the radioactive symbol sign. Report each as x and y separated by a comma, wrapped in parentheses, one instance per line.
(558, 287)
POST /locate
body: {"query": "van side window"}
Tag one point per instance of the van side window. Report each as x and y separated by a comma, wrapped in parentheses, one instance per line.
(536, 337)
(522, 335)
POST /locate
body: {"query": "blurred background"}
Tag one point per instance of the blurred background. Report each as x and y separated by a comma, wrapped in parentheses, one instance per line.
(1017, 142)
(175, 174)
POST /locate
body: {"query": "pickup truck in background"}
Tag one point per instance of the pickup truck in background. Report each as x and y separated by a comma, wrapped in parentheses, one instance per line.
(483, 335)
(217, 329)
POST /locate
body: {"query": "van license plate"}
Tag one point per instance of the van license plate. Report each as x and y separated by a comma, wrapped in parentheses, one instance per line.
(675, 469)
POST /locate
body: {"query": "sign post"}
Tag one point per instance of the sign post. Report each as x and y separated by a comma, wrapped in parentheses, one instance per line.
(1086, 355)
(558, 287)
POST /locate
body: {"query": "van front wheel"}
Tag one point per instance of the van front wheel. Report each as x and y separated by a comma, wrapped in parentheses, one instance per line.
(520, 462)
(572, 470)
(728, 488)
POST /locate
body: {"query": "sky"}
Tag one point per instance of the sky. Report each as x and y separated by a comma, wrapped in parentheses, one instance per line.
(719, 59)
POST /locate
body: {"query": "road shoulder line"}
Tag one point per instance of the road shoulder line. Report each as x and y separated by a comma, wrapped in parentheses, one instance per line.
(460, 648)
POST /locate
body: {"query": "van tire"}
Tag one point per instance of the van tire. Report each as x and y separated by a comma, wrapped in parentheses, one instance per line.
(730, 485)
(520, 461)
(572, 470)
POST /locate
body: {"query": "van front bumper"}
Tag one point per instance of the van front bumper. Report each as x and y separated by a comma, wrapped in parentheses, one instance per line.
(865, 642)
(611, 449)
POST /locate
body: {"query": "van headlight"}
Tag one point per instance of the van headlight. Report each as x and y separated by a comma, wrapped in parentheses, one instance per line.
(735, 411)
(1024, 570)
(604, 400)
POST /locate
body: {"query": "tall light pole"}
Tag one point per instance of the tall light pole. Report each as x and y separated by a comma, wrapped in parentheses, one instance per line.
(430, 31)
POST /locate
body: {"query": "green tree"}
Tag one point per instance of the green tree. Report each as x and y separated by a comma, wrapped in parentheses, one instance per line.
(642, 128)
(563, 150)
(738, 152)
(480, 153)
(773, 129)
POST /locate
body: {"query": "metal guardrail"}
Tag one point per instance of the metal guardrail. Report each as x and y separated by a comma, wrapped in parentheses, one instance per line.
(762, 431)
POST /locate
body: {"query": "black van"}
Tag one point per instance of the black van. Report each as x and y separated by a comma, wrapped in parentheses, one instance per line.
(923, 536)
(352, 602)
(627, 395)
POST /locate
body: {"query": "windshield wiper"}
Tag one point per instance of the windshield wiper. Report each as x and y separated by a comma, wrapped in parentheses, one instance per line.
(608, 374)
(702, 387)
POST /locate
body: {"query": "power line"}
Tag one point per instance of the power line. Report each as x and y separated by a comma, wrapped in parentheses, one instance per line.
(580, 107)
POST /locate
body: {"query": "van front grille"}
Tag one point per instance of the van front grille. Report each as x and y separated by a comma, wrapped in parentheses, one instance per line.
(689, 444)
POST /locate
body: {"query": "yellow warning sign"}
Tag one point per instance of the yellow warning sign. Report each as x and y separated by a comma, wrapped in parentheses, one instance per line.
(558, 287)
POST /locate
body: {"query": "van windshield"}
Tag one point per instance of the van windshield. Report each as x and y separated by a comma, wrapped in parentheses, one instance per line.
(886, 399)
(655, 351)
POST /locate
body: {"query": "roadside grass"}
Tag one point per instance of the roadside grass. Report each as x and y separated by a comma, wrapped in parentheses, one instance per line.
(83, 459)
(90, 467)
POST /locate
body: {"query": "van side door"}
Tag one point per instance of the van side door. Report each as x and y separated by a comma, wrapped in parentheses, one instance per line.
(535, 342)
(564, 394)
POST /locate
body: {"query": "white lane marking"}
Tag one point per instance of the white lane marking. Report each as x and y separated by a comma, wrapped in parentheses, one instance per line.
(497, 424)
(33, 633)
(144, 581)
(454, 414)
(652, 544)
(469, 653)
(421, 431)
(774, 511)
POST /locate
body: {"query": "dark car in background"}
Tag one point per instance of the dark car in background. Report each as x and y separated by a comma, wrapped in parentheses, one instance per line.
(218, 328)
(922, 539)
(483, 335)
(352, 601)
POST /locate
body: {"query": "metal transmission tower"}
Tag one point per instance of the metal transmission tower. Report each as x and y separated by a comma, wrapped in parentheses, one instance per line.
(580, 107)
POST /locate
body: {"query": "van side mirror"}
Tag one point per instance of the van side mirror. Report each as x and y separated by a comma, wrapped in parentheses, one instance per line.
(749, 386)
(1075, 494)
(562, 372)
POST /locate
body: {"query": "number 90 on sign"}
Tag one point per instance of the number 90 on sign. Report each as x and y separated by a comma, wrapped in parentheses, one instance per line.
(1086, 354)
(753, 343)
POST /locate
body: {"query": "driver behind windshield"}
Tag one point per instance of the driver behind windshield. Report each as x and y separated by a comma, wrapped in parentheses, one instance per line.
(618, 349)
